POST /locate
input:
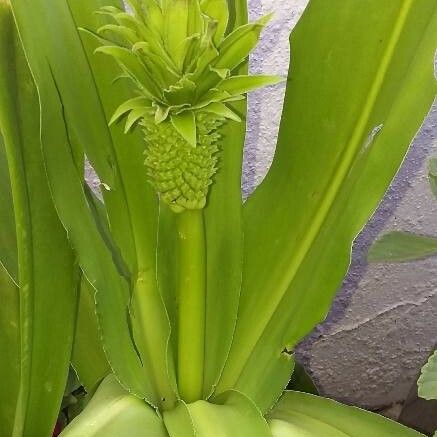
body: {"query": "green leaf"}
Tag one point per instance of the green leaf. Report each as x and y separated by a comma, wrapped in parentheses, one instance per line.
(179, 422)
(219, 12)
(132, 209)
(243, 84)
(122, 31)
(185, 124)
(301, 381)
(239, 43)
(10, 350)
(88, 358)
(222, 110)
(134, 116)
(346, 125)
(47, 276)
(130, 105)
(427, 383)
(130, 204)
(231, 414)
(224, 237)
(132, 66)
(400, 246)
(432, 174)
(8, 237)
(233, 51)
(177, 16)
(304, 415)
(113, 412)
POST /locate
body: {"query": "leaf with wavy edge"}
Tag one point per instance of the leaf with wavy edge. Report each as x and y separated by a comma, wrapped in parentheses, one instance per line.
(305, 415)
(224, 236)
(88, 358)
(427, 383)
(47, 275)
(137, 221)
(346, 125)
(57, 91)
(113, 412)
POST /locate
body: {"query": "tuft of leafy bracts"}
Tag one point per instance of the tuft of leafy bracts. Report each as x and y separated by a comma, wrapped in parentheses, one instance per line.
(180, 61)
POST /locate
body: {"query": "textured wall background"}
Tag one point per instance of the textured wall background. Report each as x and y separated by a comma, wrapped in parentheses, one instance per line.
(383, 323)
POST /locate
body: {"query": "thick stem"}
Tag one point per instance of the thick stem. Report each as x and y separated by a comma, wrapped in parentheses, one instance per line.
(192, 300)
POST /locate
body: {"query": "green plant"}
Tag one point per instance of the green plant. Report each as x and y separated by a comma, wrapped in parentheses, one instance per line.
(195, 324)
(427, 382)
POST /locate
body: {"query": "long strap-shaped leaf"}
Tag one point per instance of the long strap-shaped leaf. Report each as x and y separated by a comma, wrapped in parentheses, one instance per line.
(224, 236)
(47, 276)
(88, 358)
(360, 85)
(9, 351)
(8, 238)
(127, 306)
(301, 414)
(139, 222)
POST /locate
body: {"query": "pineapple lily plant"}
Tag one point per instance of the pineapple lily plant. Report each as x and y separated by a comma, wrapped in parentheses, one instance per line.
(177, 305)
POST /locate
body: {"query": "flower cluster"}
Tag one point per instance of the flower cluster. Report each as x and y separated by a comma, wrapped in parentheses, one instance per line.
(180, 59)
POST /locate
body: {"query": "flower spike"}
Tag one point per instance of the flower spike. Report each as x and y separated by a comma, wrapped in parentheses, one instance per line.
(180, 61)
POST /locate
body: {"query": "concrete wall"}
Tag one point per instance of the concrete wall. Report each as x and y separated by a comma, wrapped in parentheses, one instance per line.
(383, 323)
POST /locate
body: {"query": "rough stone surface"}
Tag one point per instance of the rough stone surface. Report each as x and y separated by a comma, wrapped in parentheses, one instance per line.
(382, 325)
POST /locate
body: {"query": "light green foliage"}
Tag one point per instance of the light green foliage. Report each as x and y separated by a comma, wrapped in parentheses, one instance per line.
(346, 125)
(9, 350)
(43, 265)
(304, 415)
(113, 412)
(427, 382)
(185, 352)
(180, 62)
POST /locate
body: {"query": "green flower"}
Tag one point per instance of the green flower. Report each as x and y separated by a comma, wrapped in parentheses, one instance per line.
(181, 61)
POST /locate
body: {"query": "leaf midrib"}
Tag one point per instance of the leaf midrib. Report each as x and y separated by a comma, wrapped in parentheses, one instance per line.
(339, 175)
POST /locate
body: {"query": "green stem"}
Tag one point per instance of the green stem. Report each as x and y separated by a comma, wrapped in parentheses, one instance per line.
(192, 300)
